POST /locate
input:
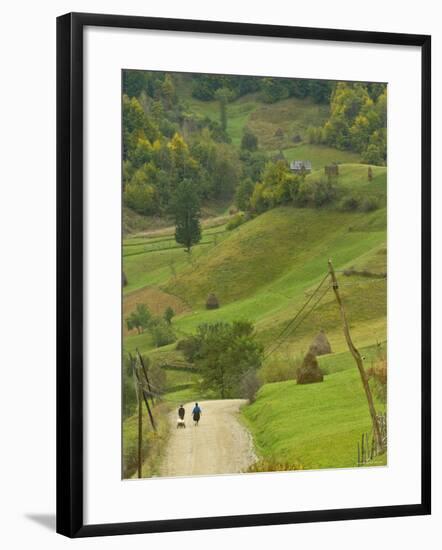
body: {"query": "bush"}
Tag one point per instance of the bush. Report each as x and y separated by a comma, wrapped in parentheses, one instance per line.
(377, 374)
(142, 198)
(315, 193)
(190, 347)
(369, 204)
(235, 221)
(249, 385)
(162, 333)
(249, 141)
(349, 204)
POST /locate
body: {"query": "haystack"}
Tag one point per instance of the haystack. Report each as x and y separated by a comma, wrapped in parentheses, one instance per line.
(320, 345)
(212, 302)
(309, 372)
(279, 132)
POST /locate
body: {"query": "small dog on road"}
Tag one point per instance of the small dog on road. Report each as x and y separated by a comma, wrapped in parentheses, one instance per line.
(180, 423)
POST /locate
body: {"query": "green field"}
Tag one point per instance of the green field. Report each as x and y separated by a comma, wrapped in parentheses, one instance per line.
(317, 425)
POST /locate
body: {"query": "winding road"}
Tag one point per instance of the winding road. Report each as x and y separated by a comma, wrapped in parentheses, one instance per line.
(220, 444)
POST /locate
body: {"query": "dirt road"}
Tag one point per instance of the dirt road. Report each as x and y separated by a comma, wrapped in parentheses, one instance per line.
(218, 445)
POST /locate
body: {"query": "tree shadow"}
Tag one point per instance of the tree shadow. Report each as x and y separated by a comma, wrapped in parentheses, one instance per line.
(46, 520)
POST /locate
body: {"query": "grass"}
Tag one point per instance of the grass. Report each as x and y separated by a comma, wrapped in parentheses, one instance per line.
(293, 116)
(153, 443)
(353, 179)
(284, 246)
(337, 362)
(263, 270)
(316, 425)
(238, 113)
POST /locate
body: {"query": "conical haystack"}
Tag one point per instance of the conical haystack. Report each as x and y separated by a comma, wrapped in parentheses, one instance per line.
(320, 345)
(309, 372)
(212, 302)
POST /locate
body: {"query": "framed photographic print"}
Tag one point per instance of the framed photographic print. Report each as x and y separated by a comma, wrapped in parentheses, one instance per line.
(243, 274)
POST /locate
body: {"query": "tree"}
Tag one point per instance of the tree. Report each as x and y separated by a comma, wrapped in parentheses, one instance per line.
(223, 95)
(249, 141)
(168, 91)
(274, 89)
(226, 352)
(225, 171)
(139, 319)
(161, 331)
(278, 186)
(187, 215)
(168, 315)
(133, 82)
(243, 193)
(358, 120)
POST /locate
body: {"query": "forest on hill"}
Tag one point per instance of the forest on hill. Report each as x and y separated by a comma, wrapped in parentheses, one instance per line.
(168, 142)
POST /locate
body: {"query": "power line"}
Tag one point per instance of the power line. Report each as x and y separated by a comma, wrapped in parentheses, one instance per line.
(302, 308)
(278, 344)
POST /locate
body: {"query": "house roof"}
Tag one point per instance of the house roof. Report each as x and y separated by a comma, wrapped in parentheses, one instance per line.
(300, 164)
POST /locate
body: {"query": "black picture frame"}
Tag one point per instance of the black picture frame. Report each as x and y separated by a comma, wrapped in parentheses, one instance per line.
(70, 273)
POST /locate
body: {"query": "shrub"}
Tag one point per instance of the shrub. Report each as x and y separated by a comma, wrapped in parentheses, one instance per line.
(349, 204)
(249, 141)
(243, 193)
(162, 333)
(315, 193)
(369, 204)
(157, 377)
(235, 221)
(377, 374)
(249, 385)
(190, 347)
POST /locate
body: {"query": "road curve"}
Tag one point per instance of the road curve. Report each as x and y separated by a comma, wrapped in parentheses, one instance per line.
(218, 445)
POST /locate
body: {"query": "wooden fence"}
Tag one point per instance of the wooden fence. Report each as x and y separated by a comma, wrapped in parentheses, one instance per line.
(367, 448)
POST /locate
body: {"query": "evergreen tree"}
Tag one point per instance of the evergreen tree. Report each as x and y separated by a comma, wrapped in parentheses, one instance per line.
(249, 141)
(187, 213)
(223, 95)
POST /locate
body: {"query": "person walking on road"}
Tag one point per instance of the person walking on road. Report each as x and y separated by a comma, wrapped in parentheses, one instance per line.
(196, 413)
(181, 412)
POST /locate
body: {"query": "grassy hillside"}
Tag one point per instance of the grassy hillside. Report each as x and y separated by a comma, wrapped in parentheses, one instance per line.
(262, 270)
(317, 425)
(281, 250)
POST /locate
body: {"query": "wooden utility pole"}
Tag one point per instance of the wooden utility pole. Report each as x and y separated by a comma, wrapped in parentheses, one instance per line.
(145, 376)
(140, 433)
(140, 415)
(358, 359)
